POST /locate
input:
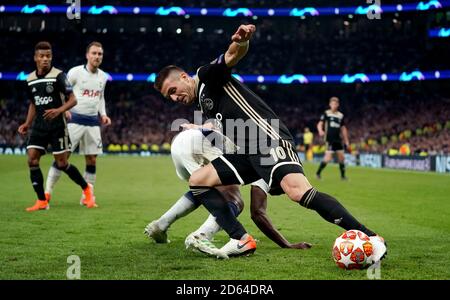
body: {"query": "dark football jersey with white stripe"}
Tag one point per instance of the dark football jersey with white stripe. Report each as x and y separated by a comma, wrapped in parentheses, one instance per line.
(333, 121)
(241, 114)
(46, 92)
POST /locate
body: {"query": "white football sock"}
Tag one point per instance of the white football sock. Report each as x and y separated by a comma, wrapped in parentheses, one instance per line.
(52, 178)
(209, 227)
(90, 178)
(181, 208)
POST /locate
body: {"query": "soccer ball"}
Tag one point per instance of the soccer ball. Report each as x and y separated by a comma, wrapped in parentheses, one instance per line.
(353, 250)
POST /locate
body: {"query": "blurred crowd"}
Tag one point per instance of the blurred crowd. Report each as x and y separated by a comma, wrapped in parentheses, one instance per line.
(401, 121)
(410, 118)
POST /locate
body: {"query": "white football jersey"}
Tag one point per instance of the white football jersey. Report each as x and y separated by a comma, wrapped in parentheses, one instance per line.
(88, 89)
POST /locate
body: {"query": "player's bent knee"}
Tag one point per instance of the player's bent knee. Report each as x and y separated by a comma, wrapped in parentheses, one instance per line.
(198, 179)
(32, 161)
(91, 159)
(295, 186)
(205, 176)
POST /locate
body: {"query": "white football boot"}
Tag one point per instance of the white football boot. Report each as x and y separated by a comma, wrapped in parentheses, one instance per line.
(199, 242)
(156, 233)
(245, 246)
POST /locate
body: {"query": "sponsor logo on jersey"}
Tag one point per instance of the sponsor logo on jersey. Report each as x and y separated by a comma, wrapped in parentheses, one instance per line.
(42, 100)
(91, 93)
(335, 124)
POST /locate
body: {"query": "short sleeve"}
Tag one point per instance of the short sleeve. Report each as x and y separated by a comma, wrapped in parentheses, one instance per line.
(215, 72)
(322, 117)
(29, 93)
(72, 77)
(63, 84)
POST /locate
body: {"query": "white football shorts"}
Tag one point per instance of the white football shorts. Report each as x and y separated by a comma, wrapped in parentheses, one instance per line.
(88, 138)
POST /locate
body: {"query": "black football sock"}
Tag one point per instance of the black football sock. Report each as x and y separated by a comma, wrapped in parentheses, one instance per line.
(91, 169)
(37, 180)
(321, 167)
(214, 202)
(75, 175)
(234, 209)
(331, 210)
(342, 168)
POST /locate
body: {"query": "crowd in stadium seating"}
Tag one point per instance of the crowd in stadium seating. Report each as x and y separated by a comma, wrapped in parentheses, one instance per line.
(142, 120)
(380, 119)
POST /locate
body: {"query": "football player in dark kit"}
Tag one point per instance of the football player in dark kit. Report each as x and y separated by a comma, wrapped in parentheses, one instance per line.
(51, 95)
(222, 97)
(330, 126)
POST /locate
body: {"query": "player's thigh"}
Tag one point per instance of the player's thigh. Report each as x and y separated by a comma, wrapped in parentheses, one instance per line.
(60, 141)
(91, 142)
(328, 154)
(205, 176)
(76, 133)
(340, 155)
(225, 170)
(295, 185)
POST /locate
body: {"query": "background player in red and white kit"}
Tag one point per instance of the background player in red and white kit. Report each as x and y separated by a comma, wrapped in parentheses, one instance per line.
(88, 83)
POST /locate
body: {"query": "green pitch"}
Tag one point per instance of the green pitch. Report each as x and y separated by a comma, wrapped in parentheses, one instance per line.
(411, 210)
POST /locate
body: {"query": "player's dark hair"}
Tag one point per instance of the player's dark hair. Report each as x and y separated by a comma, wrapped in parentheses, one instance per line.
(42, 45)
(94, 43)
(163, 74)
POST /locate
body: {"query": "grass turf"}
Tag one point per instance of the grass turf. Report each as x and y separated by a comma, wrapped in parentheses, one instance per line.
(409, 209)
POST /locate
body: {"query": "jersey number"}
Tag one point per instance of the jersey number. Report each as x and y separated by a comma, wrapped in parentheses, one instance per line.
(278, 153)
(63, 142)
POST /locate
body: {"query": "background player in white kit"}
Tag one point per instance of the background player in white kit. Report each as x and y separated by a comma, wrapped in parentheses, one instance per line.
(88, 83)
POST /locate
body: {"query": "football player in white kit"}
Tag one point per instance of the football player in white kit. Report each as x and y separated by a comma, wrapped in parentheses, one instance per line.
(88, 83)
(190, 150)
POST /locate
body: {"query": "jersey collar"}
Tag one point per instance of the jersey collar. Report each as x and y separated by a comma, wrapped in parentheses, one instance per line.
(45, 74)
(87, 70)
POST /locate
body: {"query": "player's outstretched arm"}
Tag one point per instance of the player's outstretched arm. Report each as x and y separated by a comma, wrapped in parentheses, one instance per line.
(239, 46)
(258, 208)
(23, 129)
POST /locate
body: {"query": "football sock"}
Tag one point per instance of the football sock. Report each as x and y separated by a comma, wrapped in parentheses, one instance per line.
(210, 226)
(213, 200)
(342, 168)
(52, 178)
(185, 205)
(89, 175)
(37, 180)
(75, 175)
(331, 210)
(321, 167)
